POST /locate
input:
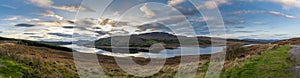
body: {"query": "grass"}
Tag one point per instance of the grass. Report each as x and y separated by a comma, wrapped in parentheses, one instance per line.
(272, 63)
(234, 51)
(22, 61)
(12, 69)
(29, 61)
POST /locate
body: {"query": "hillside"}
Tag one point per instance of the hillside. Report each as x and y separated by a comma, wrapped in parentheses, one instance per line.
(142, 42)
(292, 41)
(33, 43)
(29, 61)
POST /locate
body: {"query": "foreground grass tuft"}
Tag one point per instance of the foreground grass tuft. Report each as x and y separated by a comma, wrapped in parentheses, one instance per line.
(272, 63)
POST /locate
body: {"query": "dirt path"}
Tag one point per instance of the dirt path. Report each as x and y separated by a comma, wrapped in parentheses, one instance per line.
(295, 51)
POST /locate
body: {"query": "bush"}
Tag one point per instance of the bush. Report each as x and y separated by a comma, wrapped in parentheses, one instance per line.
(234, 51)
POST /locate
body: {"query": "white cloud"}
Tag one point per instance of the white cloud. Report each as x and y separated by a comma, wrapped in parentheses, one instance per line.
(67, 8)
(21, 19)
(212, 4)
(33, 19)
(267, 12)
(150, 13)
(8, 6)
(52, 14)
(42, 3)
(73, 8)
(288, 3)
(11, 18)
(282, 14)
(49, 4)
(248, 12)
(175, 2)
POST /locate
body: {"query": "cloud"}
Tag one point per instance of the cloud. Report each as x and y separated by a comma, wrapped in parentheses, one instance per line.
(282, 14)
(247, 31)
(8, 6)
(21, 19)
(175, 2)
(49, 4)
(73, 8)
(68, 27)
(11, 18)
(234, 22)
(42, 3)
(153, 27)
(212, 4)
(267, 36)
(150, 13)
(67, 8)
(287, 3)
(267, 12)
(49, 13)
(61, 35)
(248, 12)
(24, 25)
(32, 19)
(259, 23)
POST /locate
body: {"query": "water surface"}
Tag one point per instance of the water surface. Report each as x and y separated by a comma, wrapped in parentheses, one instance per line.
(166, 53)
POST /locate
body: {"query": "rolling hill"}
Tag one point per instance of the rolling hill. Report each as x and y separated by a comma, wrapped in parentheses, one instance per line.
(292, 41)
(142, 42)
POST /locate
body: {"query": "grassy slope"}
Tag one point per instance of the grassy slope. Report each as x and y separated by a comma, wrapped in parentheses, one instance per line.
(49, 62)
(12, 69)
(293, 41)
(35, 62)
(272, 63)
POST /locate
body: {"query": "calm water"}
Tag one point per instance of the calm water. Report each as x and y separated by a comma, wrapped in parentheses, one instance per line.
(167, 53)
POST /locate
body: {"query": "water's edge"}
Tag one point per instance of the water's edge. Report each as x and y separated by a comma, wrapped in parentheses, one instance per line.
(167, 53)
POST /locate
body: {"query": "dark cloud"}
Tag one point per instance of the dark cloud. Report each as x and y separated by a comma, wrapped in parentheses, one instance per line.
(68, 27)
(154, 26)
(234, 27)
(100, 32)
(61, 35)
(29, 33)
(71, 22)
(281, 34)
(24, 25)
(234, 22)
(87, 22)
(36, 36)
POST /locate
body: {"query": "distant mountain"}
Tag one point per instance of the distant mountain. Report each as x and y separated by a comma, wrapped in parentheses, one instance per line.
(143, 42)
(56, 43)
(261, 40)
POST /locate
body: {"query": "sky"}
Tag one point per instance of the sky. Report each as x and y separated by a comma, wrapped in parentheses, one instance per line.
(62, 20)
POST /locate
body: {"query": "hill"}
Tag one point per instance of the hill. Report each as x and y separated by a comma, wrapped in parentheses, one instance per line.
(33, 43)
(142, 42)
(30, 59)
(292, 41)
(19, 60)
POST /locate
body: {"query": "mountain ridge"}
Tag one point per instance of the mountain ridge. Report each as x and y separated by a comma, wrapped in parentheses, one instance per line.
(143, 42)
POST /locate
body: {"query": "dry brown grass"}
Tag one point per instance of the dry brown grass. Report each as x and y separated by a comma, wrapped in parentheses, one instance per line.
(55, 63)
